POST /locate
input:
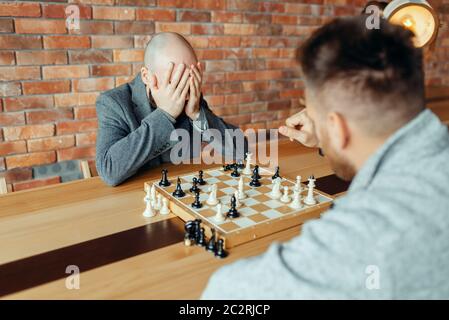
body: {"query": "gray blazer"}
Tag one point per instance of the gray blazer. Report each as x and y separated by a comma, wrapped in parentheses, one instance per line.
(133, 134)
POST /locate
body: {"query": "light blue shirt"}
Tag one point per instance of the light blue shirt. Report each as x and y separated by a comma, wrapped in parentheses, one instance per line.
(387, 238)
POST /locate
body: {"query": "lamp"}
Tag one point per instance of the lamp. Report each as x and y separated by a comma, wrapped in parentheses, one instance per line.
(417, 16)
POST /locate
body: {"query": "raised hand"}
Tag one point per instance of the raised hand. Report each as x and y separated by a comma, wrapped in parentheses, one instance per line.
(300, 127)
(196, 78)
(170, 96)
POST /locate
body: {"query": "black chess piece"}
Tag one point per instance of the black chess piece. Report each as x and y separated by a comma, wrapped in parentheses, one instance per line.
(178, 193)
(235, 172)
(194, 187)
(255, 178)
(201, 241)
(211, 245)
(256, 172)
(233, 213)
(187, 240)
(164, 180)
(196, 228)
(197, 204)
(201, 181)
(276, 174)
(220, 251)
(240, 164)
(227, 167)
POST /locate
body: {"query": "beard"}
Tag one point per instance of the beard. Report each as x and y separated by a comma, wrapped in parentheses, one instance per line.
(342, 167)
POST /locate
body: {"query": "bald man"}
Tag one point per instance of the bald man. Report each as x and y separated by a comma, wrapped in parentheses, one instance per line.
(137, 119)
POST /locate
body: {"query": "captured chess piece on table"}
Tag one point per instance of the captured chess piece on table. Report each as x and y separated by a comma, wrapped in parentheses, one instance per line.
(164, 180)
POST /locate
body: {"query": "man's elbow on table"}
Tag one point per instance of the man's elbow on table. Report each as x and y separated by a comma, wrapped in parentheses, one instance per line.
(107, 172)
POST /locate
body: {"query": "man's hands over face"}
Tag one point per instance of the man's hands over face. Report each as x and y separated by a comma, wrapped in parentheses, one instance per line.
(171, 96)
(300, 127)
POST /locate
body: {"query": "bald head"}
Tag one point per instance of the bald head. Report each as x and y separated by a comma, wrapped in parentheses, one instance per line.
(168, 47)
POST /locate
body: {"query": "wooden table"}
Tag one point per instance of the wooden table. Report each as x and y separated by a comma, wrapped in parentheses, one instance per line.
(121, 254)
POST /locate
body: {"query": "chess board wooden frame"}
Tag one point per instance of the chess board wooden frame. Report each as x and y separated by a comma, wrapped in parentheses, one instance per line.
(231, 239)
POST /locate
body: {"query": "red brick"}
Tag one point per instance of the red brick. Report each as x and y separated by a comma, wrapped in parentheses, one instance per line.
(194, 16)
(41, 57)
(257, 18)
(6, 26)
(86, 139)
(209, 4)
(238, 119)
(76, 153)
(94, 27)
(90, 56)
(123, 79)
(19, 73)
(210, 54)
(75, 99)
(198, 42)
(175, 3)
(241, 76)
(207, 29)
(271, 7)
(266, 52)
(137, 3)
(20, 42)
(128, 27)
(2, 165)
(13, 147)
(58, 11)
(53, 143)
(279, 105)
(30, 159)
(113, 13)
(182, 28)
(11, 119)
(156, 14)
(141, 41)
(7, 58)
(27, 132)
(10, 89)
(36, 183)
(284, 19)
(94, 84)
(111, 70)
(242, 5)
(128, 55)
(269, 74)
(224, 42)
(292, 93)
(17, 9)
(46, 116)
(45, 87)
(58, 72)
(82, 113)
(39, 26)
(220, 65)
(225, 16)
(28, 102)
(16, 175)
(75, 126)
(239, 98)
(263, 116)
(244, 29)
(298, 8)
(66, 42)
(107, 42)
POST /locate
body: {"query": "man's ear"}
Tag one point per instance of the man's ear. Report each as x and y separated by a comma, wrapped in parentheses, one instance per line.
(145, 75)
(339, 132)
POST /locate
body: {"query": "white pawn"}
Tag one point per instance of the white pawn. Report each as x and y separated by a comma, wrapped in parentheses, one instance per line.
(285, 197)
(158, 204)
(153, 193)
(147, 195)
(296, 203)
(164, 209)
(219, 216)
(247, 170)
(276, 191)
(298, 186)
(310, 199)
(212, 199)
(149, 211)
(238, 204)
(241, 191)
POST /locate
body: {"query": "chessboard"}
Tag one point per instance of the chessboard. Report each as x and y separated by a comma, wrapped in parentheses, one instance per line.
(260, 213)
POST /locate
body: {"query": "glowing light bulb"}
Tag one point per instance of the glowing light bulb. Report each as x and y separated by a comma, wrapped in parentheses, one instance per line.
(408, 23)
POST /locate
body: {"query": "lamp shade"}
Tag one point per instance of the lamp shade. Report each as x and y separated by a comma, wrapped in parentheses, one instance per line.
(417, 16)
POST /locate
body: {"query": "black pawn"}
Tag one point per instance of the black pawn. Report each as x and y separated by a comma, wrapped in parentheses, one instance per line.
(164, 180)
(276, 174)
(256, 172)
(235, 172)
(211, 245)
(201, 241)
(240, 164)
(220, 251)
(201, 181)
(194, 187)
(226, 167)
(178, 193)
(233, 213)
(197, 204)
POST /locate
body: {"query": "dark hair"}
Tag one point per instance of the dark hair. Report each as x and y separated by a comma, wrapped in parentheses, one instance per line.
(380, 67)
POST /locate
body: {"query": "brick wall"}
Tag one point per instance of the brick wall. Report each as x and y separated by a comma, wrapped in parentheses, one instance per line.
(51, 76)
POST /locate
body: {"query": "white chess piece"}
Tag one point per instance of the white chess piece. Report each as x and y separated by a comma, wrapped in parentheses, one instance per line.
(219, 216)
(298, 186)
(296, 203)
(285, 197)
(276, 191)
(157, 205)
(238, 204)
(212, 199)
(164, 209)
(147, 195)
(241, 191)
(149, 211)
(310, 199)
(247, 170)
